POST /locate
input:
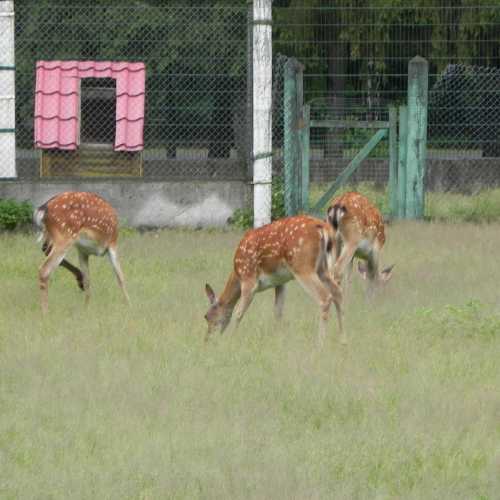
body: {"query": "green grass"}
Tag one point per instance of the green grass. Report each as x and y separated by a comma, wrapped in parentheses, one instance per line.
(447, 207)
(117, 403)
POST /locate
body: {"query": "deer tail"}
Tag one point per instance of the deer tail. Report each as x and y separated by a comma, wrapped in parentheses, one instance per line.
(38, 218)
(327, 245)
(335, 214)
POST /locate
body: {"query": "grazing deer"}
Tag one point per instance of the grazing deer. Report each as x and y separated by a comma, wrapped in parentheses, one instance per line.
(83, 220)
(298, 248)
(359, 233)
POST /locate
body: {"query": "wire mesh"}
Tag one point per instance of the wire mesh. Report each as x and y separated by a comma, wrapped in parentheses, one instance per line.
(280, 189)
(356, 56)
(198, 107)
(7, 145)
(464, 129)
(195, 117)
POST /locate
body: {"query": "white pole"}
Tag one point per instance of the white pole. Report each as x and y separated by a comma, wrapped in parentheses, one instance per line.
(7, 91)
(262, 111)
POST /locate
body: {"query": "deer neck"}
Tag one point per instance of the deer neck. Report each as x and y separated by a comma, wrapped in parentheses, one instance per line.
(231, 293)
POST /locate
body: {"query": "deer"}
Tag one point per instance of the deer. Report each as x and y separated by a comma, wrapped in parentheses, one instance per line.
(298, 247)
(360, 233)
(82, 220)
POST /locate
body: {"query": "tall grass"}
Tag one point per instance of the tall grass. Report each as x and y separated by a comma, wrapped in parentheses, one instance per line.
(123, 403)
(447, 207)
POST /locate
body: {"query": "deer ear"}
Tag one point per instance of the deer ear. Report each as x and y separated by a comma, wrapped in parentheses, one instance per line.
(386, 274)
(210, 294)
(363, 270)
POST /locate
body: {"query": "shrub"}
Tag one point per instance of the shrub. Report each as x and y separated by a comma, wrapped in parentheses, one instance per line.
(15, 214)
(243, 217)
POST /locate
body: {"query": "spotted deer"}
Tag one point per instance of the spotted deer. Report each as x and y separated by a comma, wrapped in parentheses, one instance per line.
(83, 220)
(359, 233)
(298, 247)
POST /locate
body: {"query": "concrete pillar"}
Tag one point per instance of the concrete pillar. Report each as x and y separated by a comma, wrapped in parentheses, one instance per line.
(7, 91)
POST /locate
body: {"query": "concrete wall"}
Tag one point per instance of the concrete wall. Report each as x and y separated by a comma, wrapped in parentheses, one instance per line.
(461, 175)
(148, 204)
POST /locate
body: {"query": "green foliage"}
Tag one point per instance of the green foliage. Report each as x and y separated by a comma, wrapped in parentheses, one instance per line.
(15, 214)
(378, 196)
(243, 217)
(175, 39)
(483, 207)
(452, 207)
(376, 52)
(472, 319)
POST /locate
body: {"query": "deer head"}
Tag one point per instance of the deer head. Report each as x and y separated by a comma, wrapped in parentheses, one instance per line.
(218, 315)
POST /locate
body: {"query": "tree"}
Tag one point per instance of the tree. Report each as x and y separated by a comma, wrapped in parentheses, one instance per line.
(195, 55)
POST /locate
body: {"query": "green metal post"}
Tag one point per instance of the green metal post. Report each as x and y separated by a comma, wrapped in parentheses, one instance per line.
(418, 81)
(291, 153)
(299, 77)
(403, 142)
(393, 161)
(305, 141)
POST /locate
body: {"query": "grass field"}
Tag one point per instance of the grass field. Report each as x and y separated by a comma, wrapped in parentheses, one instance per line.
(484, 206)
(117, 403)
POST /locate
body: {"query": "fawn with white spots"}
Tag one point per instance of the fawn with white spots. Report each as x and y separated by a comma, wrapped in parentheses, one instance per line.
(83, 220)
(298, 248)
(359, 233)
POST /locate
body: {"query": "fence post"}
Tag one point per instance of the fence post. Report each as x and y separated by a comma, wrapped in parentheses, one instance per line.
(7, 91)
(291, 154)
(262, 111)
(418, 81)
(304, 142)
(249, 115)
(403, 142)
(393, 161)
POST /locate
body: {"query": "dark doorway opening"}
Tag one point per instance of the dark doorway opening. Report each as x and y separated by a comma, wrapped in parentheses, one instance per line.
(98, 111)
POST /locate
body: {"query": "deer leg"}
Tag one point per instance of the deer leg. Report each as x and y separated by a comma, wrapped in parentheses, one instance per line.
(343, 260)
(370, 271)
(84, 266)
(321, 294)
(46, 248)
(247, 292)
(337, 296)
(279, 301)
(113, 257)
(372, 274)
(53, 260)
(347, 279)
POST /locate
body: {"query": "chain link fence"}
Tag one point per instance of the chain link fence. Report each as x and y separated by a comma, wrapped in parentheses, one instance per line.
(197, 92)
(356, 65)
(464, 130)
(195, 117)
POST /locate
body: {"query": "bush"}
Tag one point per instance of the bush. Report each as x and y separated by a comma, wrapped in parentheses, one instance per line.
(243, 217)
(15, 214)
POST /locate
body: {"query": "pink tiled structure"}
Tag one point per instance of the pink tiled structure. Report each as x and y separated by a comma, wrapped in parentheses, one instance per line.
(57, 102)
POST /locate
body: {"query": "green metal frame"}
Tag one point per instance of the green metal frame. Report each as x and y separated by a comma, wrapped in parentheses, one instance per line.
(305, 142)
(293, 135)
(418, 81)
(407, 146)
(350, 169)
(401, 180)
(393, 161)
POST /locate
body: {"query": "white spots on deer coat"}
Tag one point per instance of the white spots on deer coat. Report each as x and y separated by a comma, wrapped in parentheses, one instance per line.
(277, 244)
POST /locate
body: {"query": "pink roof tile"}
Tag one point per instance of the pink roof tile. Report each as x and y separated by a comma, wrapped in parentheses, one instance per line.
(57, 102)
